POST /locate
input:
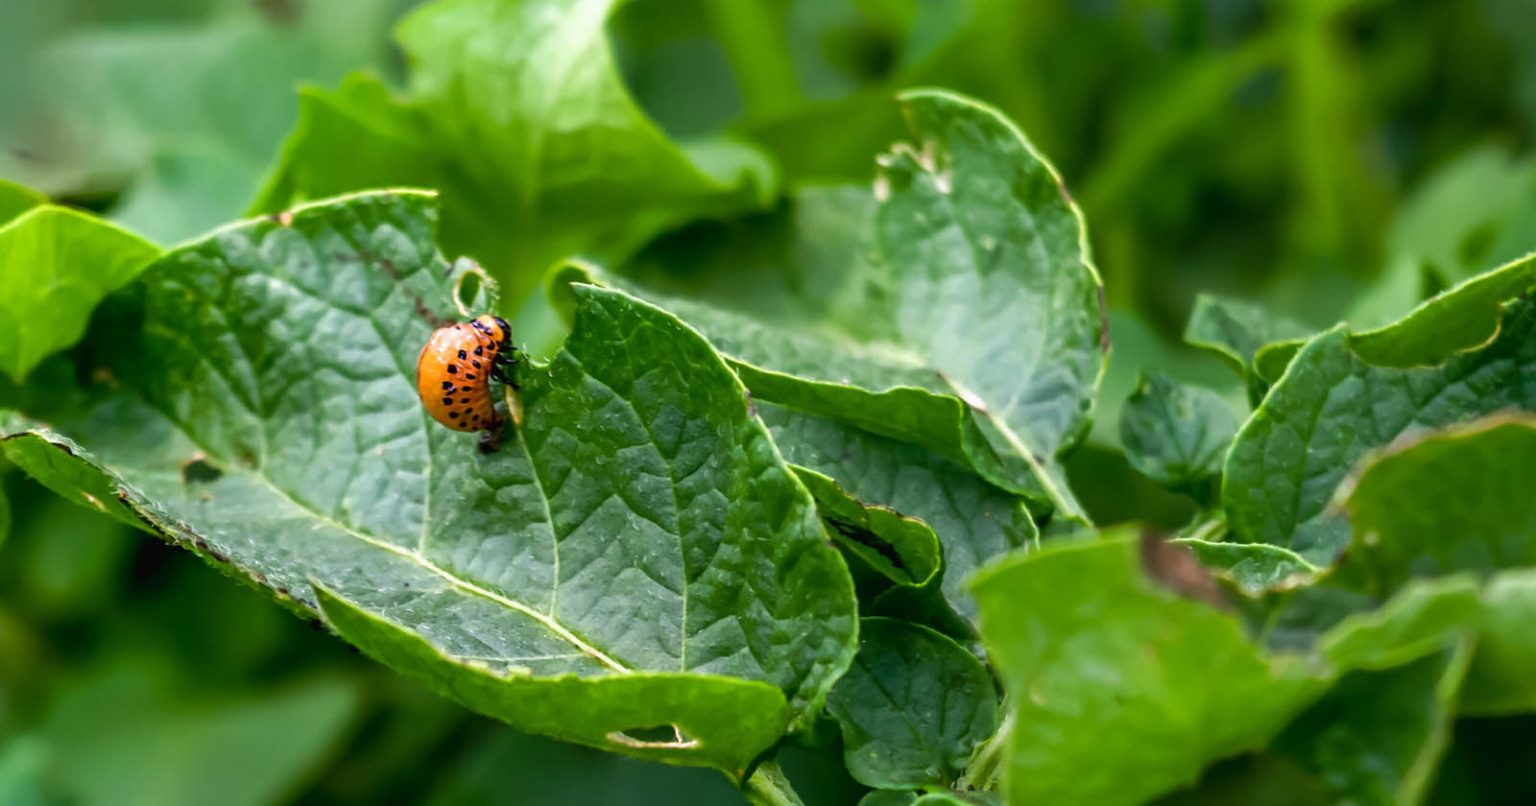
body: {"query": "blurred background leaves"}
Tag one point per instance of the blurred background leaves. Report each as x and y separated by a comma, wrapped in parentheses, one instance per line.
(1334, 158)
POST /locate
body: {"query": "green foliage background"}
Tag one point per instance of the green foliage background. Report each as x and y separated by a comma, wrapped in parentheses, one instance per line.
(1331, 158)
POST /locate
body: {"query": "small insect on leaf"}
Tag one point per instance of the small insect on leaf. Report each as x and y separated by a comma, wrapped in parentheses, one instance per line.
(455, 370)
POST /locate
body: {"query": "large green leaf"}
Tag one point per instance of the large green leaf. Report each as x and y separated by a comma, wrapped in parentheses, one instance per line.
(636, 556)
(56, 264)
(1174, 434)
(975, 521)
(913, 707)
(519, 117)
(971, 325)
(1377, 736)
(1455, 500)
(1107, 672)
(1333, 407)
(1379, 733)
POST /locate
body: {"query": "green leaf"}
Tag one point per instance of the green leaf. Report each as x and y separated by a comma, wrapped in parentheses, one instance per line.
(1253, 567)
(1454, 500)
(975, 522)
(1465, 215)
(23, 780)
(118, 739)
(528, 175)
(190, 115)
(17, 199)
(637, 553)
(1421, 619)
(913, 707)
(973, 325)
(1502, 679)
(56, 264)
(1107, 672)
(903, 549)
(1458, 320)
(1377, 736)
(1237, 331)
(1333, 408)
(1175, 434)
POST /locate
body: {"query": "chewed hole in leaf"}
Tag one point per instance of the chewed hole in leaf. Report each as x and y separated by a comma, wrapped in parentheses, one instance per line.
(198, 470)
(670, 737)
(868, 539)
(473, 289)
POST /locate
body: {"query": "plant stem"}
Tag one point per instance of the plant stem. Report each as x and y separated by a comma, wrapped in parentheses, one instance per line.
(755, 44)
(982, 770)
(769, 786)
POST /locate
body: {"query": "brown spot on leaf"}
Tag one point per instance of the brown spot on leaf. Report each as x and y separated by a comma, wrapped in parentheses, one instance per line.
(1174, 567)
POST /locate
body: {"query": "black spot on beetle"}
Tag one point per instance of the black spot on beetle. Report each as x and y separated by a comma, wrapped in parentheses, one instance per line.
(453, 370)
(453, 415)
(463, 356)
(447, 401)
(476, 363)
(462, 400)
(469, 375)
(448, 386)
(479, 351)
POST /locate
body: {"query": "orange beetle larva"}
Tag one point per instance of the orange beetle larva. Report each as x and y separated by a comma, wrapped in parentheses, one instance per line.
(454, 373)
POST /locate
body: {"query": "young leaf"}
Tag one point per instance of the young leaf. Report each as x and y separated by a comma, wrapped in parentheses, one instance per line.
(1237, 331)
(1455, 500)
(913, 707)
(1107, 672)
(1174, 434)
(56, 264)
(528, 176)
(973, 329)
(636, 556)
(1253, 567)
(1333, 408)
(905, 550)
(975, 521)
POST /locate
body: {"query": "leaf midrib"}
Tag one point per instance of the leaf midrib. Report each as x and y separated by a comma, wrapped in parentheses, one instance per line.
(545, 620)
